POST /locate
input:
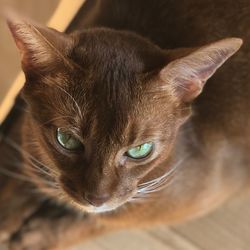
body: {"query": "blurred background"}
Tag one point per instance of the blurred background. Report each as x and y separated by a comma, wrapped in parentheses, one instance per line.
(228, 228)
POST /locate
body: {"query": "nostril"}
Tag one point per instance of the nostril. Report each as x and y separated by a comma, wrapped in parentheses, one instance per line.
(96, 200)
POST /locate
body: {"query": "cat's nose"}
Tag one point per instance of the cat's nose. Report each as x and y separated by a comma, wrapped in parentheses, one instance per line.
(96, 200)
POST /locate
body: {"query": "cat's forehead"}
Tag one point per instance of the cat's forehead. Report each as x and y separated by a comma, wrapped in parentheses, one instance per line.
(109, 50)
(112, 113)
(111, 110)
(114, 66)
(110, 90)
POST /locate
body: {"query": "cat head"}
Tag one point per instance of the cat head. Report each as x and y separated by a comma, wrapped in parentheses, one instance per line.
(106, 106)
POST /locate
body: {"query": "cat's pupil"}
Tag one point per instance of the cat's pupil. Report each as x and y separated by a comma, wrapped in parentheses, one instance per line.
(67, 140)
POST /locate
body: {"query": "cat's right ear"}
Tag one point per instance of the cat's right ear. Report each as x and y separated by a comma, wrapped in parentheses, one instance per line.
(188, 75)
(39, 46)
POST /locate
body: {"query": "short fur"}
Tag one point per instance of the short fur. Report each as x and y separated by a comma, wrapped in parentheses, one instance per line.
(131, 72)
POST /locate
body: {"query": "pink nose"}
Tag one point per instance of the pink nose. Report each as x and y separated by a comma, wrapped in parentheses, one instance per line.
(95, 200)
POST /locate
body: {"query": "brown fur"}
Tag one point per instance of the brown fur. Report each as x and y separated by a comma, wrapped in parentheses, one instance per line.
(124, 80)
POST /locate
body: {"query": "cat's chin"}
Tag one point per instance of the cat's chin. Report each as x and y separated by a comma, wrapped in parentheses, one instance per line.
(84, 206)
(102, 209)
(92, 209)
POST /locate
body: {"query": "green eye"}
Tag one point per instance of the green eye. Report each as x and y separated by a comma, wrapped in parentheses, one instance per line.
(67, 140)
(140, 151)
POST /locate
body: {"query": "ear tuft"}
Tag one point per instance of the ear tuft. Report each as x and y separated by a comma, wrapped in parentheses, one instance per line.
(189, 74)
(26, 39)
(39, 46)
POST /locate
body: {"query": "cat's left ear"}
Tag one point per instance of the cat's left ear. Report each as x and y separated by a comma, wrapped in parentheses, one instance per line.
(189, 74)
(39, 46)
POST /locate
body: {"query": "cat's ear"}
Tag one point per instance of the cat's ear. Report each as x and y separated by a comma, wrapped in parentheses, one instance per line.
(189, 74)
(39, 46)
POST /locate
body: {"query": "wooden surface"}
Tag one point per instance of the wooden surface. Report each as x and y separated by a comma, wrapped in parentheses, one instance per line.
(228, 228)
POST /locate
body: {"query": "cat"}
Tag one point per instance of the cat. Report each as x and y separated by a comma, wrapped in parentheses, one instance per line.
(128, 119)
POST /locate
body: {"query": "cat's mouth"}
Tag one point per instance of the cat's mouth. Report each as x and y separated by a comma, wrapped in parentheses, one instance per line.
(93, 209)
(102, 209)
(85, 206)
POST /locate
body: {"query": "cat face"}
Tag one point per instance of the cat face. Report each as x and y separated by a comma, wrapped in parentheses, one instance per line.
(105, 107)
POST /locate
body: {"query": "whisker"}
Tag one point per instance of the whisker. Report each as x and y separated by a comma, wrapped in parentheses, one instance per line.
(35, 167)
(156, 180)
(19, 149)
(153, 186)
(64, 91)
(45, 190)
(42, 170)
(157, 184)
(54, 119)
(72, 98)
(162, 185)
(26, 178)
(15, 175)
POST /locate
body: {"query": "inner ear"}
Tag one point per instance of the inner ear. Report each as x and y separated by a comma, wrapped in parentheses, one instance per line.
(39, 46)
(189, 74)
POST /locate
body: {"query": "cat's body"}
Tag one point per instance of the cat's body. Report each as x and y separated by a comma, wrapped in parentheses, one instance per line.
(209, 158)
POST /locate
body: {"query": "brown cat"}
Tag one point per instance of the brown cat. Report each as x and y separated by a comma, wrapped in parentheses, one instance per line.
(109, 128)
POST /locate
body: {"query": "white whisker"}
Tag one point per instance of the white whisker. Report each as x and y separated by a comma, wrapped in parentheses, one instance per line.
(54, 119)
(72, 98)
(15, 175)
(41, 170)
(159, 179)
(44, 170)
(25, 178)
(22, 151)
(153, 186)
